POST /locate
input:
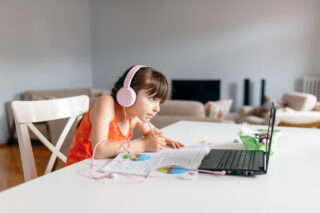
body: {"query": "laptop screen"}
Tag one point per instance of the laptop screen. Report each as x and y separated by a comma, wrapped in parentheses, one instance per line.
(270, 132)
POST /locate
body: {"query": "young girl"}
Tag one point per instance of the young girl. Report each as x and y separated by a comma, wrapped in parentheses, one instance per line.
(108, 119)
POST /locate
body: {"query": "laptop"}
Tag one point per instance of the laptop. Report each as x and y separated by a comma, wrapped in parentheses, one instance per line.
(241, 162)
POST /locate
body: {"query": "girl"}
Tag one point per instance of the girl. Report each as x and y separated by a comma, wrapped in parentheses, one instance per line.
(140, 90)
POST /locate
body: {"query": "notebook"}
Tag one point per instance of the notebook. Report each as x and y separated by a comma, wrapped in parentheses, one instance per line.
(166, 163)
(241, 162)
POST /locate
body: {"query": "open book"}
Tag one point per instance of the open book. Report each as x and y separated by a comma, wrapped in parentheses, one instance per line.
(166, 163)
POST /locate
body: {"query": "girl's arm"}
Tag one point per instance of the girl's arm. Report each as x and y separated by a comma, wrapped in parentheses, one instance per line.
(100, 118)
(144, 129)
(102, 114)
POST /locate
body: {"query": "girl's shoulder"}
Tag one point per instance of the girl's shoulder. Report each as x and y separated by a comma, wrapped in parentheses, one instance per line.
(108, 99)
(104, 105)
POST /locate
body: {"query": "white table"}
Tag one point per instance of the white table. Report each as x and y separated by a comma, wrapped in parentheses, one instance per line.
(291, 185)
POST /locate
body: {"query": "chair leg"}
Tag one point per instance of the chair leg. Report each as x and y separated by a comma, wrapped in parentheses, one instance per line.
(27, 158)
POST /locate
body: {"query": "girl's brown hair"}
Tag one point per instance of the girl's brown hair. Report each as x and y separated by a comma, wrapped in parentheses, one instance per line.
(145, 78)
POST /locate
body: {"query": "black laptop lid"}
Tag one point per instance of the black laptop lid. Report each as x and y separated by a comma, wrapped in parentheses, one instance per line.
(270, 133)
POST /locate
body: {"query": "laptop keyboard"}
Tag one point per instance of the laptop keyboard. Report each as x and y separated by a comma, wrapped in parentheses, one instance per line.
(241, 159)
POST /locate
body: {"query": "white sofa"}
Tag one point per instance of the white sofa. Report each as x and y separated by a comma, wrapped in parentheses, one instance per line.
(298, 109)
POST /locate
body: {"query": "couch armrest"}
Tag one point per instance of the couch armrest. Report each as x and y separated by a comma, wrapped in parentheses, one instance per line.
(299, 101)
(247, 110)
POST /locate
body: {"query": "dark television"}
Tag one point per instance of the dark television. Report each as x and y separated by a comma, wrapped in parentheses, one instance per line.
(198, 90)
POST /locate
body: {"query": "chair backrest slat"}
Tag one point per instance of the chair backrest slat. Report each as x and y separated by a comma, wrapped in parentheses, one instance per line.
(47, 110)
(47, 143)
(28, 112)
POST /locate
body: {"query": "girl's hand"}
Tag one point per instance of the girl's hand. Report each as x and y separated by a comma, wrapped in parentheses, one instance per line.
(173, 144)
(156, 131)
(155, 143)
(169, 142)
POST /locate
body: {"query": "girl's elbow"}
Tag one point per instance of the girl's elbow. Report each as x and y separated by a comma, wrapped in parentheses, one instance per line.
(98, 155)
(102, 152)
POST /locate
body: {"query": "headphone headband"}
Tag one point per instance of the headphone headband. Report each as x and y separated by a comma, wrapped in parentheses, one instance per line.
(130, 75)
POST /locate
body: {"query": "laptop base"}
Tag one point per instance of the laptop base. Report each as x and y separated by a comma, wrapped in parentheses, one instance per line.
(235, 162)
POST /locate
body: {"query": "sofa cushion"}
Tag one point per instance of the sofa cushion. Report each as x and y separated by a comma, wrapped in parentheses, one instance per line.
(182, 108)
(298, 117)
(218, 109)
(300, 101)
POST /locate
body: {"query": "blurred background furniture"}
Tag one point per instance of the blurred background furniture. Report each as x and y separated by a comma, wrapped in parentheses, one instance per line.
(50, 129)
(172, 111)
(28, 112)
(294, 109)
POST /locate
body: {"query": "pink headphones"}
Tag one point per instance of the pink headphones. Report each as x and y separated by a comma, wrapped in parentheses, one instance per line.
(126, 96)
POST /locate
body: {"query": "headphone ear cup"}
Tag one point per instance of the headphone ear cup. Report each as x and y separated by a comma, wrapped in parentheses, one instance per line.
(126, 96)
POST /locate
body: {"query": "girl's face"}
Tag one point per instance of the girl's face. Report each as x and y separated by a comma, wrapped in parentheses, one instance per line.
(146, 106)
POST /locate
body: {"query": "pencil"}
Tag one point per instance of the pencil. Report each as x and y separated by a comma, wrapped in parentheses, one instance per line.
(151, 129)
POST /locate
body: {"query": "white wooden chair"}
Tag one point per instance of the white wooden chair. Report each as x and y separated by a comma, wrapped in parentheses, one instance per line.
(27, 112)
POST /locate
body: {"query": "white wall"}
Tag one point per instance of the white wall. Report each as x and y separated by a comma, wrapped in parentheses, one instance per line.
(44, 44)
(202, 39)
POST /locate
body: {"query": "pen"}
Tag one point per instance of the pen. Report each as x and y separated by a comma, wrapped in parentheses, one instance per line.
(151, 129)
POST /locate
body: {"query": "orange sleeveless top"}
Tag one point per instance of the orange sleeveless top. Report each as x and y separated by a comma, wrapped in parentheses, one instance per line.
(81, 146)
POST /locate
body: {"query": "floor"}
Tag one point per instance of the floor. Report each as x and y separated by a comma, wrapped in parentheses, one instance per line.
(10, 164)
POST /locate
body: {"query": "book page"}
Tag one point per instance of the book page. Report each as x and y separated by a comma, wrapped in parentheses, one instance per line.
(166, 163)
